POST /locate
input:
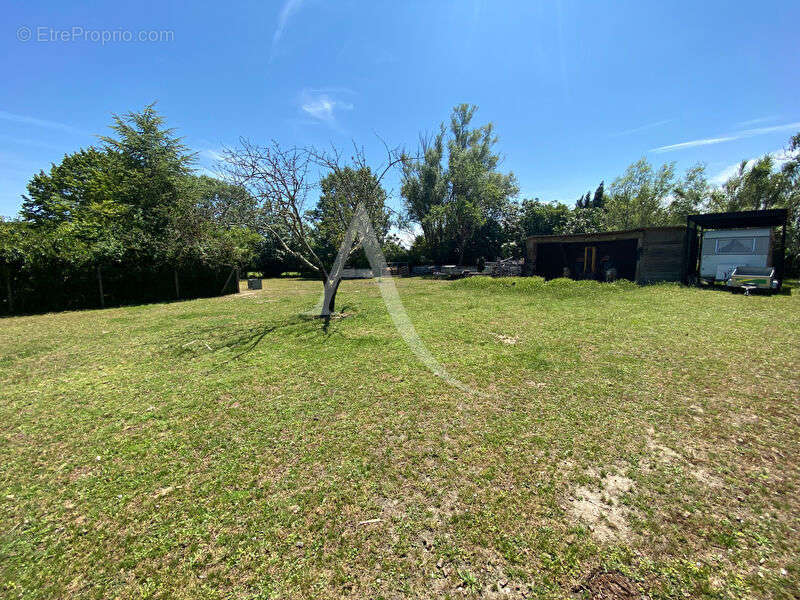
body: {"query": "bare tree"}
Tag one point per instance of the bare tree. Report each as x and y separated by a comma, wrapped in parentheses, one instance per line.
(281, 181)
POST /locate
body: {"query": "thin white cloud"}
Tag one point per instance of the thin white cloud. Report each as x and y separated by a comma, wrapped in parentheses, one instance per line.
(773, 129)
(211, 154)
(693, 143)
(322, 105)
(746, 133)
(757, 121)
(643, 127)
(779, 157)
(289, 8)
(25, 120)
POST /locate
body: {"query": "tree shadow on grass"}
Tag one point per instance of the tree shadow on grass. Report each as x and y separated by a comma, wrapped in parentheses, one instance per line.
(246, 340)
(240, 340)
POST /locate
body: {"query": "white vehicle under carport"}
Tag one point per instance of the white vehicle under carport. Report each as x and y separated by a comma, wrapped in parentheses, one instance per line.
(717, 243)
(723, 250)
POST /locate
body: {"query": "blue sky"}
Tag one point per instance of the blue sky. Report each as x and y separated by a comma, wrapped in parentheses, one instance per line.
(577, 91)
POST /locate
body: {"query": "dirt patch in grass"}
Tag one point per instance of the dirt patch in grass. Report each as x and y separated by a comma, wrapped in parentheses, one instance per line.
(506, 339)
(601, 510)
(610, 586)
(668, 456)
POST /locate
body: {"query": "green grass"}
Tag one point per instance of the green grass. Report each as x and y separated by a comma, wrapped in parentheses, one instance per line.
(230, 448)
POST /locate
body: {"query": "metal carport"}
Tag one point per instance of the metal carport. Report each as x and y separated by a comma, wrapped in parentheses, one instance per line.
(695, 224)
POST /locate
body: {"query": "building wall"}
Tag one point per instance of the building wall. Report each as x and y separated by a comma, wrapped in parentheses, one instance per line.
(662, 255)
(659, 253)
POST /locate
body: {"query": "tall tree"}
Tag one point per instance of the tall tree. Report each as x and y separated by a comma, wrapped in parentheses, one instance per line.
(453, 203)
(639, 197)
(690, 195)
(424, 188)
(598, 200)
(156, 164)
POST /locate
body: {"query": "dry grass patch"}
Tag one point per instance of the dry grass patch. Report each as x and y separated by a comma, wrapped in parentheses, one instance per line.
(601, 509)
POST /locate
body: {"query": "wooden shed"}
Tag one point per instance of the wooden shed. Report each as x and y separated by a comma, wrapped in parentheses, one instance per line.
(643, 255)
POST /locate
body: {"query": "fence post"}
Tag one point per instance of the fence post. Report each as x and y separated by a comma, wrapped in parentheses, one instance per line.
(100, 286)
(177, 286)
(8, 291)
(227, 281)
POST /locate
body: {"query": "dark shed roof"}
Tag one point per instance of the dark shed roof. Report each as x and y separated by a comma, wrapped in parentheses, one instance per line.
(747, 218)
(601, 236)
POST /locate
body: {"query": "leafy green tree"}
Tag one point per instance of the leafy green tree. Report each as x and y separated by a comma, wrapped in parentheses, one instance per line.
(690, 195)
(340, 192)
(156, 164)
(424, 188)
(133, 202)
(639, 197)
(226, 204)
(83, 187)
(488, 240)
(542, 218)
(755, 187)
(583, 220)
(79, 208)
(452, 204)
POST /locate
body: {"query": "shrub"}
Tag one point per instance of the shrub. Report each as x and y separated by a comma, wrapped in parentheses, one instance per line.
(529, 285)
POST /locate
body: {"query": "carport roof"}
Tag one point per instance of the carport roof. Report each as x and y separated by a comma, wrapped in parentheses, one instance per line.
(746, 218)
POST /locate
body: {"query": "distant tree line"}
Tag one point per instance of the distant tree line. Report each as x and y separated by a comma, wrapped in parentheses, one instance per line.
(130, 220)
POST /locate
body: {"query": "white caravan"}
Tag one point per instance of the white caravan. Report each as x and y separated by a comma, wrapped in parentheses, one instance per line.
(725, 249)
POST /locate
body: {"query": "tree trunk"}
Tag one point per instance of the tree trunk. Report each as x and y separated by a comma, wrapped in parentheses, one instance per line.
(100, 287)
(236, 287)
(329, 302)
(177, 286)
(8, 291)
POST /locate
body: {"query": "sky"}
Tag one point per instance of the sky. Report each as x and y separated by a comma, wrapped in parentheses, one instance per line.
(576, 90)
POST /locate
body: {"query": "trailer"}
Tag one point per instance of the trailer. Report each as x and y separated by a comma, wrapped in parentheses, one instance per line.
(753, 278)
(718, 243)
(723, 250)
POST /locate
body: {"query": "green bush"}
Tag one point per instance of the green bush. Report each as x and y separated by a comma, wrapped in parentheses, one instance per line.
(529, 285)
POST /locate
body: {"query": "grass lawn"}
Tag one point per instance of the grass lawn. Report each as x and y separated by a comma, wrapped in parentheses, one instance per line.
(229, 448)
